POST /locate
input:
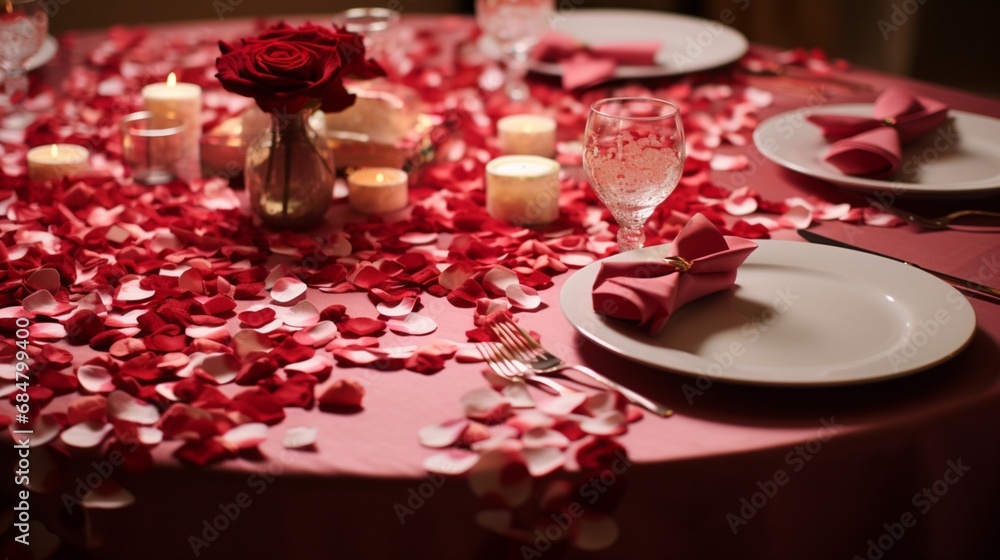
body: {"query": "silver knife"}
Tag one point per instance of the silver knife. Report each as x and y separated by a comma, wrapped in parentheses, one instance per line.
(991, 293)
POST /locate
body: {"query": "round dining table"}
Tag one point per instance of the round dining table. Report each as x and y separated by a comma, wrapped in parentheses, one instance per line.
(905, 467)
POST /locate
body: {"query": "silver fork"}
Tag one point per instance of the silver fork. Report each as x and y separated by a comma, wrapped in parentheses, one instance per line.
(540, 360)
(502, 363)
(982, 221)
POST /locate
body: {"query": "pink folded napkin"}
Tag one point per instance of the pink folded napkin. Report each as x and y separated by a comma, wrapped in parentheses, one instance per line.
(701, 261)
(871, 146)
(585, 65)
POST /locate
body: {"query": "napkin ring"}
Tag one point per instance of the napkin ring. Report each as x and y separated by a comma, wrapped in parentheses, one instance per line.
(680, 263)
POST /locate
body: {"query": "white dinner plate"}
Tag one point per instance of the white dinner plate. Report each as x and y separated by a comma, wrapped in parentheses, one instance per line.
(49, 49)
(799, 315)
(688, 44)
(961, 158)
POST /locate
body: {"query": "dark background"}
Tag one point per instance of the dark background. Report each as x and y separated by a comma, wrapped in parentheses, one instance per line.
(955, 43)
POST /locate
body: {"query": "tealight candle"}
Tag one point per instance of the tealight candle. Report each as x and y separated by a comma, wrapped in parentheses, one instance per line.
(527, 134)
(173, 100)
(523, 190)
(378, 190)
(55, 161)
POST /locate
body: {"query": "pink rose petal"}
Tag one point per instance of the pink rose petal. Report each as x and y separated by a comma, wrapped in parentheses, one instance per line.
(317, 335)
(86, 434)
(544, 437)
(526, 420)
(401, 309)
(131, 291)
(451, 462)
(485, 404)
(149, 436)
(577, 259)
(245, 436)
(414, 324)
(500, 437)
(287, 290)
(317, 366)
(302, 315)
(43, 303)
(523, 297)
(518, 396)
(300, 437)
(797, 217)
(562, 405)
(543, 460)
(442, 435)
(356, 356)
(123, 406)
(47, 331)
(218, 334)
(455, 275)
(498, 279)
(247, 342)
(611, 423)
(95, 379)
(418, 237)
(46, 428)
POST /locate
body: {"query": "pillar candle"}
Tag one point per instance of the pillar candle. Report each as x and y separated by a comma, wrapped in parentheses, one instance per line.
(522, 190)
(178, 100)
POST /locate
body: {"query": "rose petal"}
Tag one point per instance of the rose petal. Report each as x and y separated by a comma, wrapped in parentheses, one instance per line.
(302, 315)
(455, 275)
(523, 296)
(442, 435)
(414, 324)
(343, 393)
(43, 303)
(596, 531)
(317, 335)
(543, 460)
(401, 309)
(611, 423)
(563, 404)
(518, 396)
(300, 437)
(123, 406)
(498, 279)
(86, 434)
(287, 289)
(95, 379)
(108, 495)
(485, 404)
(149, 436)
(44, 279)
(451, 462)
(246, 436)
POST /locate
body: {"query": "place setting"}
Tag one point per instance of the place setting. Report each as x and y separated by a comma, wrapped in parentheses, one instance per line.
(281, 282)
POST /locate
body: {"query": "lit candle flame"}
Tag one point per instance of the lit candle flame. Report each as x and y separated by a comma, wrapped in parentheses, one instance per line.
(9, 6)
(172, 80)
(54, 151)
(379, 178)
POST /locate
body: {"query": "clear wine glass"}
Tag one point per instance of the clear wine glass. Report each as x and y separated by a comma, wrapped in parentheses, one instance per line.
(633, 154)
(516, 26)
(23, 26)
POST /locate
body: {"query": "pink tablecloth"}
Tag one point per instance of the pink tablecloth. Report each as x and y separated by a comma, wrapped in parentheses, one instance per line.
(899, 469)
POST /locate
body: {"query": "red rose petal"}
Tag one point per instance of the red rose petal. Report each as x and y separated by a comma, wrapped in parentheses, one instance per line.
(259, 318)
(361, 326)
(342, 394)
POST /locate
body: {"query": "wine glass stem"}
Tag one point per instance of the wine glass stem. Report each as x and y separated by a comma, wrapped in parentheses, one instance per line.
(15, 86)
(630, 238)
(517, 69)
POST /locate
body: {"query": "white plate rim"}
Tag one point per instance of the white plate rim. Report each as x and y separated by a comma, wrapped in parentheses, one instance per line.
(767, 130)
(723, 54)
(576, 304)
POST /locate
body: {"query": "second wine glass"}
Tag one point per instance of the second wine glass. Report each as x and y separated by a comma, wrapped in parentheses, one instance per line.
(516, 26)
(23, 25)
(633, 155)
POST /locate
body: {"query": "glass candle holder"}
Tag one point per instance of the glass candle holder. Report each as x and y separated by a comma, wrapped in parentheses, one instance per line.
(152, 152)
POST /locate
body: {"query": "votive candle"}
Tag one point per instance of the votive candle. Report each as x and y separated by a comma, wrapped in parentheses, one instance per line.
(181, 101)
(378, 190)
(527, 134)
(523, 190)
(55, 161)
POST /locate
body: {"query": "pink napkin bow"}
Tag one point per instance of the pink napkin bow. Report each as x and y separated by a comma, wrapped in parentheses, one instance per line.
(871, 146)
(585, 65)
(701, 261)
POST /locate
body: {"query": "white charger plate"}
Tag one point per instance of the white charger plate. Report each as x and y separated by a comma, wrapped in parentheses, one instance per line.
(688, 44)
(961, 158)
(799, 315)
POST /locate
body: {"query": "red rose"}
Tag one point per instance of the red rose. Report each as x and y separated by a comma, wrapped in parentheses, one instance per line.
(286, 69)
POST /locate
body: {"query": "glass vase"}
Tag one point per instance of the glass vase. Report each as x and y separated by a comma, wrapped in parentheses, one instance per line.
(289, 173)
